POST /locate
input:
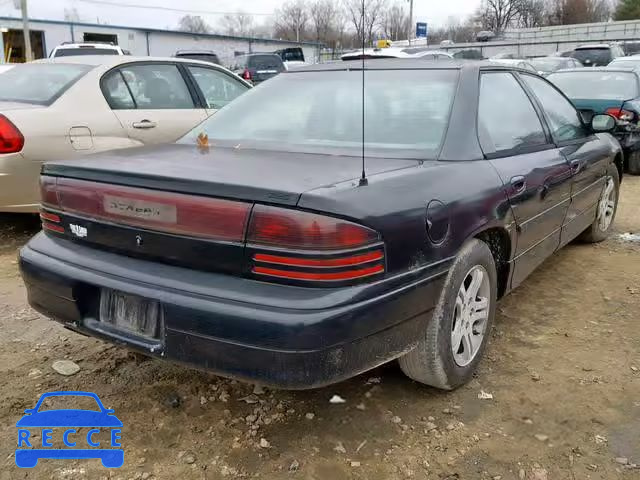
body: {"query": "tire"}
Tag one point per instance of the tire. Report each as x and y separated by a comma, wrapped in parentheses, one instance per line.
(634, 163)
(596, 233)
(433, 362)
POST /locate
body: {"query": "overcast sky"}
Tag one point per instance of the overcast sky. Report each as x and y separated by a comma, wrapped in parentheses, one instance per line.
(111, 12)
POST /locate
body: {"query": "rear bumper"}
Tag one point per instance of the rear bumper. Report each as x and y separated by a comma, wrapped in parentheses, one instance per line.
(19, 189)
(289, 337)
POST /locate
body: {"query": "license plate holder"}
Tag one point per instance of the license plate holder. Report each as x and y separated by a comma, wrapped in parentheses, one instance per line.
(131, 314)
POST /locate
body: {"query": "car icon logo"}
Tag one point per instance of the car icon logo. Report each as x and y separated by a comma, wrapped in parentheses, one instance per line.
(41, 431)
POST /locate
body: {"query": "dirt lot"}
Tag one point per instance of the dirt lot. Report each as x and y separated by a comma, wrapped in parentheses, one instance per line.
(563, 367)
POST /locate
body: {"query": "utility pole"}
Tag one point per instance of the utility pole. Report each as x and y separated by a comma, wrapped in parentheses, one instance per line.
(25, 30)
(411, 26)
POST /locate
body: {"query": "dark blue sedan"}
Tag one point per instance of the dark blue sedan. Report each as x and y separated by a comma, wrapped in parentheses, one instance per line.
(318, 237)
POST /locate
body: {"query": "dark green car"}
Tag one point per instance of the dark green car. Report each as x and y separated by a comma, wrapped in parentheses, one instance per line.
(611, 90)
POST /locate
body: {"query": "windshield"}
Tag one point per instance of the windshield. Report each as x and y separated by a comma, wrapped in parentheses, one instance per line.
(74, 52)
(548, 64)
(593, 56)
(39, 83)
(406, 114)
(602, 85)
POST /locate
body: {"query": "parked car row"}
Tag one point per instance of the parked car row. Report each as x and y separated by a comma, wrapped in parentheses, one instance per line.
(70, 106)
(296, 238)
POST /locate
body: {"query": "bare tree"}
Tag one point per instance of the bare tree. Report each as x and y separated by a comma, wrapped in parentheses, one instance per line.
(292, 19)
(531, 13)
(365, 23)
(193, 24)
(496, 15)
(322, 14)
(239, 23)
(394, 22)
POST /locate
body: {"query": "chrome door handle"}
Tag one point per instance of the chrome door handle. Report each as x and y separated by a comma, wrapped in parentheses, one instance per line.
(518, 185)
(144, 124)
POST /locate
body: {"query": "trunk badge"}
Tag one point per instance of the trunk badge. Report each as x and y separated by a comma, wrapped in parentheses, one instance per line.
(139, 240)
(78, 231)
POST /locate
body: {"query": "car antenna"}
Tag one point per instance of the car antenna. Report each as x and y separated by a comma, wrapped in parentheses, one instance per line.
(363, 178)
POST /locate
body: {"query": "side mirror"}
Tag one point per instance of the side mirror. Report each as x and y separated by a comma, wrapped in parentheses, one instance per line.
(603, 123)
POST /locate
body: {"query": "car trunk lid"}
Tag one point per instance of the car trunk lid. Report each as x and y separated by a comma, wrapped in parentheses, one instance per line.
(181, 205)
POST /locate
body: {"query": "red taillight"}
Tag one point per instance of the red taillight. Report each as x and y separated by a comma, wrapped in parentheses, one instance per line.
(48, 193)
(621, 114)
(246, 75)
(11, 140)
(174, 213)
(307, 247)
(284, 228)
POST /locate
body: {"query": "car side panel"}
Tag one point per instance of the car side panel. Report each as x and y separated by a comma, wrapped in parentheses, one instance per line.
(539, 206)
(464, 198)
(589, 161)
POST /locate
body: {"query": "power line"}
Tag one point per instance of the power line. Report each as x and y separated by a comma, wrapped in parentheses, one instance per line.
(169, 9)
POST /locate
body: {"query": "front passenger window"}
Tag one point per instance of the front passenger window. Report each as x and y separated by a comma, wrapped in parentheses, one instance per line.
(561, 115)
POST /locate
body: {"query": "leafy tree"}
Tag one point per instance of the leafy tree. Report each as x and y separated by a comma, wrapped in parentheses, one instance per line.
(628, 10)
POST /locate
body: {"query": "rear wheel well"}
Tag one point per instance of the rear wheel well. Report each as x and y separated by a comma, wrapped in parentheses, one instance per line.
(499, 242)
(619, 163)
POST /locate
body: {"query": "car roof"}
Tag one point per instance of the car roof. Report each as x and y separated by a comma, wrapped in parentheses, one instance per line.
(600, 69)
(198, 52)
(115, 60)
(406, 64)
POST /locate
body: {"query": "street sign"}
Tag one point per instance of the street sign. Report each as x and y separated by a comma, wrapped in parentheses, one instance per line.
(421, 30)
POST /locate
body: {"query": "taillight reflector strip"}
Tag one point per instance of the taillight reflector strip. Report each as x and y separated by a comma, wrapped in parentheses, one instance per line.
(51, 217)
(358, 259)
(52, 227)
(318, 276)
(168, 212)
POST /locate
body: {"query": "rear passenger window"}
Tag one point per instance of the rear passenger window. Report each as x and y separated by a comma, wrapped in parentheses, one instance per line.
(116, 92)
(506, 116)
(157, 86)
(561, 115)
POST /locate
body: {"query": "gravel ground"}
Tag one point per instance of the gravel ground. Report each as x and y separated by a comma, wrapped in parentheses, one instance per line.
(563, 368)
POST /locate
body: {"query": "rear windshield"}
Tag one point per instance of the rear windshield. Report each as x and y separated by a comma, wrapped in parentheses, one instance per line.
(291, 55)
(265, 62)
(593, 56)
(406, 114)
(39, 83)
(205, 57)
(587, 84)
(74, 52)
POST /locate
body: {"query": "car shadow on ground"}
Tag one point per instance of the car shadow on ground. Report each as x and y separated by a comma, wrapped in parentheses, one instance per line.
(16, 229)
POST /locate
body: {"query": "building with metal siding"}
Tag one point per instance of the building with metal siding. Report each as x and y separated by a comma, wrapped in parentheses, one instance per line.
(47, 34)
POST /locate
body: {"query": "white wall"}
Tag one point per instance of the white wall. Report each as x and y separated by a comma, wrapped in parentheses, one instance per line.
(161, 44)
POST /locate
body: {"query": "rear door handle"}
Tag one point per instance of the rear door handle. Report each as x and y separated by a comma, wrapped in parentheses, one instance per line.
(144, 124)
(518, 185)
(576, 166)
